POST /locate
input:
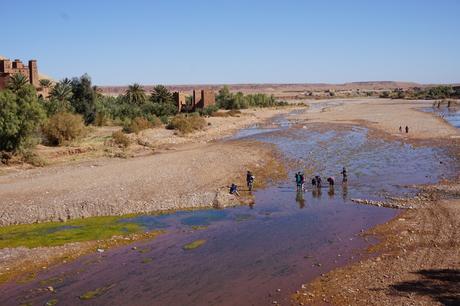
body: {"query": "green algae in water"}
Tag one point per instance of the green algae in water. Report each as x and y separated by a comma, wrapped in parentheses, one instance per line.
(57, 233)
(198, 227)
(243, 217)
(53, 281)
(51, 302)
(204, 217)
(147, 260)
(27, 278)
(95, 293)
(194, 245)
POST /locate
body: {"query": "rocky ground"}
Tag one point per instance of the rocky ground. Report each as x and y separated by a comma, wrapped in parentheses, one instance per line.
(181, 172)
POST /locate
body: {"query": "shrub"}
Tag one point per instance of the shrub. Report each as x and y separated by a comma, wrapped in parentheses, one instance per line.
(209, 110)
(101, 119)
(63, 127)
(20, 116)
(136, 125)
(187, 124)
(33, 159)
(121, 139)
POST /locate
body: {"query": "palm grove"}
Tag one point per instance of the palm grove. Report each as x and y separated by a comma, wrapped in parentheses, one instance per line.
(73, 104)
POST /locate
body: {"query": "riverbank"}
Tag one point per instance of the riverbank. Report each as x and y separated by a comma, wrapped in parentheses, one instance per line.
(269, 237)
(417, 260)
(187, 172)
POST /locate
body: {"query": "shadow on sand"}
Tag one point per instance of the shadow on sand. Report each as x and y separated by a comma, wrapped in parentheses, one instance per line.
(441, 285)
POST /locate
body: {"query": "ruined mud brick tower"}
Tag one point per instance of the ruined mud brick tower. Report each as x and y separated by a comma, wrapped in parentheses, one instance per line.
(180, 100)
(203, 98)
(9, 68)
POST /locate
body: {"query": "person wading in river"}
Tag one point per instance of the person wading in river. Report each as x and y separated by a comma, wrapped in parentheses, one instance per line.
(318, 181)
(344, 175)
(298, 180)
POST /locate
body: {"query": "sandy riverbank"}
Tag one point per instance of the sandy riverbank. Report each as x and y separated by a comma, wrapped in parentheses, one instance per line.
(186, 172)
(384, 115)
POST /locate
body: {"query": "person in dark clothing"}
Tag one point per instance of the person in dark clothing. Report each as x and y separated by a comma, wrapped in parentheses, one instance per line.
(331, 181)
(313, 181)
(302, 181)
(407, 129)
(318, 181)
(400, 129)
(234, 189)
(344, 175)
(250, 180)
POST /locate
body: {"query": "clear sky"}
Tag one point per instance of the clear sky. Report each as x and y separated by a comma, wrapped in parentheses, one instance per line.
(236, 41)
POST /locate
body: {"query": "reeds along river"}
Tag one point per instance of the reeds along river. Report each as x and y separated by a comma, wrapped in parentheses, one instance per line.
(250, 255)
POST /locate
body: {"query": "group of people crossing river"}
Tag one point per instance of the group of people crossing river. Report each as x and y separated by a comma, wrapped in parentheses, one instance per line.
(316, 181)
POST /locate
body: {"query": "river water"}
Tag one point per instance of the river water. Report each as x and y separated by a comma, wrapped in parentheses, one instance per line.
(252, 255)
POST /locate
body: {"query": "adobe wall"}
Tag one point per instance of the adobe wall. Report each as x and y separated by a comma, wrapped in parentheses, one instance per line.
(9, 68)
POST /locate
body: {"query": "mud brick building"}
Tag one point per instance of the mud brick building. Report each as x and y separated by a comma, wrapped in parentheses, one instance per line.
(200, 99)
(181, 100)
(203, 98)
(9, 68)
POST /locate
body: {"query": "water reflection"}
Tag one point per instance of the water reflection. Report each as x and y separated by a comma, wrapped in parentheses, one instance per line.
(344, 191)
(300, 199)
(331, 191)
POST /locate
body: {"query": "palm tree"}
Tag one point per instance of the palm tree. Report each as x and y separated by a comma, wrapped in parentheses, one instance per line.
(161, 94)
(17, 82)
(135, 94)
(61, 92)
(45, 83)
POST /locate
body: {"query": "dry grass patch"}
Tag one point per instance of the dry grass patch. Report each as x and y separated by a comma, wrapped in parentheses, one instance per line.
(187, 124)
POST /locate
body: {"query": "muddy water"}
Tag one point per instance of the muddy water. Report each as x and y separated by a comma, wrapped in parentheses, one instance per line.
(251, 255)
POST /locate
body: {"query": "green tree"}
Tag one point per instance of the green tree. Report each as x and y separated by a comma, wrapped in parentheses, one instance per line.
(17, 82)
(20, 116)
(135, 95)
(84, 98)
(45, 83)
(62, 92)
(161, 95)
(224, 97)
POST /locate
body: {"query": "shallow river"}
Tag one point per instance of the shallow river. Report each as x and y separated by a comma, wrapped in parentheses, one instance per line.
(251, 255)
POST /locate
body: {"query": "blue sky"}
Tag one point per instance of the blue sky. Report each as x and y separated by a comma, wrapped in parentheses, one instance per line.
(237, 41)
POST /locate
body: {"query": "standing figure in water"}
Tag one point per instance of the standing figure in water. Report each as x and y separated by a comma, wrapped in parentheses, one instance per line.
(302, 181)
(318, 181)
(344, 175)
(250, 180)
(331, 182)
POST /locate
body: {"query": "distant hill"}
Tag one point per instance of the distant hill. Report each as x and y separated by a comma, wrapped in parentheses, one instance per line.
(278, 89)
